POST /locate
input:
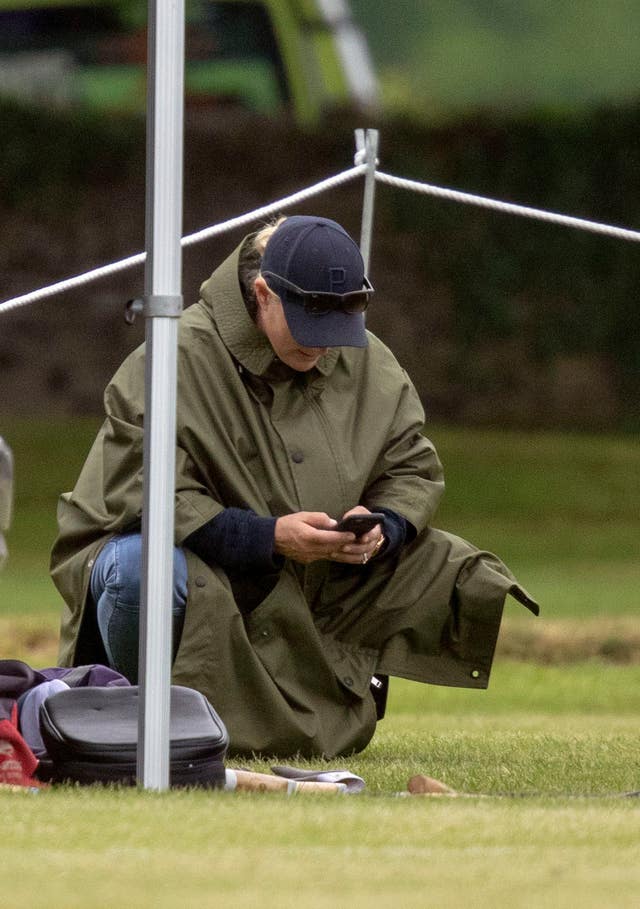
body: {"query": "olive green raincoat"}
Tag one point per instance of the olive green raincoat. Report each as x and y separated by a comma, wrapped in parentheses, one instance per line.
(294, 675)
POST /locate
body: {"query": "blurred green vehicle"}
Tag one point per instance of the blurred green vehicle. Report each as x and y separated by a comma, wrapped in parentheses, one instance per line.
(298, 56)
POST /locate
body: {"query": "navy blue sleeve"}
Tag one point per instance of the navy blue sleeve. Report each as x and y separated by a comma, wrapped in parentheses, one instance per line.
(397, 531)
(237, 540)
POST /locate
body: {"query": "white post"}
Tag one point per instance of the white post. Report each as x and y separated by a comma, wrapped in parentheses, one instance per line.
(367, 153)
(162, 307)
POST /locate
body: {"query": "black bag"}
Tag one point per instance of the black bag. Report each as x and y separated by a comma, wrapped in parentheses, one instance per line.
(91, 736)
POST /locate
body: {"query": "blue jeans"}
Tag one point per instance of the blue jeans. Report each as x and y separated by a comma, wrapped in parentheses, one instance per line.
(115, 589)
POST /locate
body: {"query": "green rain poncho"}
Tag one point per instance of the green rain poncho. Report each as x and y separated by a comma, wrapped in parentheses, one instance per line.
(294, 675)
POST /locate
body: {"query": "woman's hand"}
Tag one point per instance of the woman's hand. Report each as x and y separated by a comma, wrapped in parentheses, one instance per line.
(308, 536)
(362, 548)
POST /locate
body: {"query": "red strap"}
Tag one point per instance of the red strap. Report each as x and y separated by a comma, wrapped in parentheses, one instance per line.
(17, 761)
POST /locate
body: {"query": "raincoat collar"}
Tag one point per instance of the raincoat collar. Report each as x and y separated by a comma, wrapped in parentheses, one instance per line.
(221, 294)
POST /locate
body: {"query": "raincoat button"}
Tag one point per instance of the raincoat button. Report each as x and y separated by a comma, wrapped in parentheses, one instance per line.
(265, 633)
(475, 673)
(200, 581)
(297, 457)
(90, 563)
(348, 681)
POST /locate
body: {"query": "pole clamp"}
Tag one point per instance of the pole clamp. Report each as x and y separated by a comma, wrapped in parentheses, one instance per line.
(366, 147)
(152, 306)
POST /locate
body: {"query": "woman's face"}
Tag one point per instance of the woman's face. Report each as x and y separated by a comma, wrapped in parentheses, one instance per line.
(272, 322)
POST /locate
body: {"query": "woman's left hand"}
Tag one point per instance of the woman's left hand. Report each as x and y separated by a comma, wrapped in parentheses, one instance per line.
(363, 548)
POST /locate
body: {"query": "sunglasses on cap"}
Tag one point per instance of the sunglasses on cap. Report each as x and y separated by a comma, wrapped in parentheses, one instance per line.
(320, 302)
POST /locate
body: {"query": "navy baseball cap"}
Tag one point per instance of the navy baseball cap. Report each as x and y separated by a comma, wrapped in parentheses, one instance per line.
(317, 270)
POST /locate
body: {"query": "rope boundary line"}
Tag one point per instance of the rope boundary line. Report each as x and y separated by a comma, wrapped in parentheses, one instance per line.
(452, 195)
(197, 237)
(511, 208)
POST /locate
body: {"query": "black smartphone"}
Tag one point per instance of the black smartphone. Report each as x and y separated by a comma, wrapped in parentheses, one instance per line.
(360, 523)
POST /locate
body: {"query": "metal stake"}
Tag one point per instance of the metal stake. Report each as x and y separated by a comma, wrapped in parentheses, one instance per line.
(367, 153)
(163, 303)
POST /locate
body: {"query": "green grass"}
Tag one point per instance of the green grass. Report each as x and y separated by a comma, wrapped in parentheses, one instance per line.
(219, 850)
(586, 689)
(48, 455)
(537, 731)
(561, 509)
(541, 761)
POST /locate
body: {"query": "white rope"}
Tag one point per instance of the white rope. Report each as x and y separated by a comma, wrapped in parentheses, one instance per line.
(274, 207)
(68, 284)
(621, 233)
(452, 195)
(224, 226)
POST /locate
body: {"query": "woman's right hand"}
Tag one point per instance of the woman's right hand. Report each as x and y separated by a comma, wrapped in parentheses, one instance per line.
(308, 536)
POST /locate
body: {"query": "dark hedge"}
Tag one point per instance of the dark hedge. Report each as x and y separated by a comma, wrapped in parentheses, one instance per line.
(500, 320)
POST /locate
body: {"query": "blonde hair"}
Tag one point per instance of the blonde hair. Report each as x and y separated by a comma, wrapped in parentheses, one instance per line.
(249, 262)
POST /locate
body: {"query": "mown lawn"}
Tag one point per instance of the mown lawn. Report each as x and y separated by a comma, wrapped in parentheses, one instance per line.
(190, 850)
(544, 818)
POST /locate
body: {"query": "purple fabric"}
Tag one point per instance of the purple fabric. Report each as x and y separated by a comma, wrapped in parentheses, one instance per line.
(84, 676)
(29, 713)
(16, 678)
(23, 690)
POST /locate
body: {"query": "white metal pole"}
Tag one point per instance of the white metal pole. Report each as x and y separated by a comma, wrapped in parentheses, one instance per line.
(367, 153)
(162, 306)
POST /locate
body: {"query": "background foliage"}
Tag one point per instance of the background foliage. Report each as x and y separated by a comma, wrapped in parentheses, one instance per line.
(499, 320)
(447, 56)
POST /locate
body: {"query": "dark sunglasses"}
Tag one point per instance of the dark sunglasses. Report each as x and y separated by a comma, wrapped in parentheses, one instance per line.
(319, 302)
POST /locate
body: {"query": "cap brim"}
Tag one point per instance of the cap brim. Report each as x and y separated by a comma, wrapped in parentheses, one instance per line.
(332, 329)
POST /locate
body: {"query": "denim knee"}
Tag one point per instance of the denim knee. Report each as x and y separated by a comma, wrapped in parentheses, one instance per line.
(115, 590)
(117, 571)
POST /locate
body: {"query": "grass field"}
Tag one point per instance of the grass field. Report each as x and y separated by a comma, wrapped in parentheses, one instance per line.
(545, 756)
(544, 760)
